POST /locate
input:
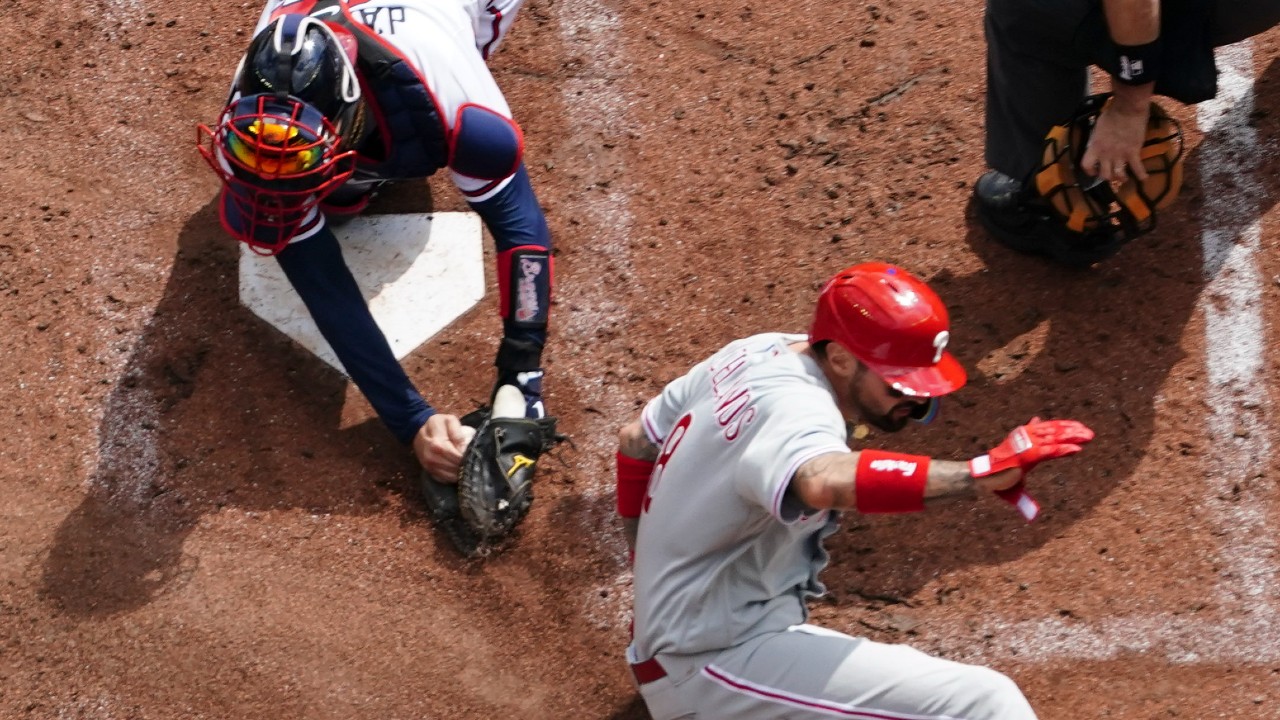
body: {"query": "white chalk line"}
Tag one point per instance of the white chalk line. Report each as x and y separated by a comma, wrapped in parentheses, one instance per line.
(595, 109)
(1237, 395)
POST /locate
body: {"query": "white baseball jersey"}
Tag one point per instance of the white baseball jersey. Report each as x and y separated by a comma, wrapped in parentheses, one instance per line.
(724, 552)
(726, 558)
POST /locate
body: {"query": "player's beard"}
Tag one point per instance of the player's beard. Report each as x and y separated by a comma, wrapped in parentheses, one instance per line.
(894, 420)
(891, 421)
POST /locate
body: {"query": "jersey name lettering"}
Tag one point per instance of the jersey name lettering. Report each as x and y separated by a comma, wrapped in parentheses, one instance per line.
(734, 408)
(383, 20)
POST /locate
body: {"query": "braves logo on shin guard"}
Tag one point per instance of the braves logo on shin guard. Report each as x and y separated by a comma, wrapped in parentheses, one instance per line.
(524, 282)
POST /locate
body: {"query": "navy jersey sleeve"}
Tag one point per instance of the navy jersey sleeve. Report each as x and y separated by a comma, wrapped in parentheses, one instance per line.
(513, 215)
(322, 279)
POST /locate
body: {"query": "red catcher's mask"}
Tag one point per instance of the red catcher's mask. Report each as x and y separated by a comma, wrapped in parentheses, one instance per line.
(277, 158)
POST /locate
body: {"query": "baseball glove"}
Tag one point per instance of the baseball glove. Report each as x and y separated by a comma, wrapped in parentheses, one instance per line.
(495, 483)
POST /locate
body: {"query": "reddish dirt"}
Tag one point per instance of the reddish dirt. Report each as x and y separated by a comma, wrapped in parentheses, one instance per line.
(202, 520)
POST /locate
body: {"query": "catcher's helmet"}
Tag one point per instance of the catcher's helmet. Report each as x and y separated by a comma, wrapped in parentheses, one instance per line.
(279, 145)
(1090, 205)
(301, 57)
(894, 324)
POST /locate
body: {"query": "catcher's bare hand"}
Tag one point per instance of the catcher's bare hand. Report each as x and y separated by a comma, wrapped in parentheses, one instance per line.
(439, 445)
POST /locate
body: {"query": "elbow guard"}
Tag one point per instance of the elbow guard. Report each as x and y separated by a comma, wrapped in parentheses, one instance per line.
(887, 482)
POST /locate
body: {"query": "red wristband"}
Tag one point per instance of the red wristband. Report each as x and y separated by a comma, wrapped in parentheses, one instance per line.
(887, 482)
(633, 483)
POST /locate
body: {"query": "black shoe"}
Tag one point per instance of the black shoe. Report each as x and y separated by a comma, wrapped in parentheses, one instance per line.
(1030, 226)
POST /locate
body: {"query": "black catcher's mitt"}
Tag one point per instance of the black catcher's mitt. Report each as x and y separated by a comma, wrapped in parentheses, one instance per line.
(495, 486)
(495, 483)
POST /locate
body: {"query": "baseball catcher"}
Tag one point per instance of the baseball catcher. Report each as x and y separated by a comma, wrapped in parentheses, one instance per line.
(332, 100)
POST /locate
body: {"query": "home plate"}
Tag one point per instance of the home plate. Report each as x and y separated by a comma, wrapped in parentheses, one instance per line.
(418, 272)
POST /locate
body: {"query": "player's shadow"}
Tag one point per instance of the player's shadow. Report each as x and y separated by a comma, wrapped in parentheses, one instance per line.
(1098, 346)
(214, 409)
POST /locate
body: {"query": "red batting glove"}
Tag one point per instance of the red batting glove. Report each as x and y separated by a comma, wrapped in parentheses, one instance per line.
(1024, 448)
(1029, 445)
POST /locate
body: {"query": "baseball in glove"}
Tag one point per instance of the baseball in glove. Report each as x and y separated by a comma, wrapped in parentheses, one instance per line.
(495, 483)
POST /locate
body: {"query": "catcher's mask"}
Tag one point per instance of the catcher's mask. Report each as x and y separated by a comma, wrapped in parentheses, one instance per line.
(892, 323)
(278, 145)
(1092, 205)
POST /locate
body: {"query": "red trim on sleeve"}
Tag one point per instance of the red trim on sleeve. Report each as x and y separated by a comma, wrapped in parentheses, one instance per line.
(497, 27)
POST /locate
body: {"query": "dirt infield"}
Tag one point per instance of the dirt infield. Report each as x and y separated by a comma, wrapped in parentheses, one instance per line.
(199, 519)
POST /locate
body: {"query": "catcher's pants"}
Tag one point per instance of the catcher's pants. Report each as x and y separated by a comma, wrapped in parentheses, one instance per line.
(812, 672)
(1038, 58)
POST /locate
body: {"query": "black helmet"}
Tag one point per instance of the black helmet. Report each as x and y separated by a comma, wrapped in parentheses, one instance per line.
(300, 57)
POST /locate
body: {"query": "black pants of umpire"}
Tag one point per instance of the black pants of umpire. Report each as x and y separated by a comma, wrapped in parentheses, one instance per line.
(1039, 53)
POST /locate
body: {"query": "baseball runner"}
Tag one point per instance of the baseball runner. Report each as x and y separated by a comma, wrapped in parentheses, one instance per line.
(333, 99)
(735, 474)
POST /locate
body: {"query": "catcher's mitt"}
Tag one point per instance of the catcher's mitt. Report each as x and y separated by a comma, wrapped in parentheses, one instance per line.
(495, 483)
(1093, 207)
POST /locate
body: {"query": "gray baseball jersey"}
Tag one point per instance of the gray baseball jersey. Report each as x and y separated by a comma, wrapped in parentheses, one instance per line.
(724, 552)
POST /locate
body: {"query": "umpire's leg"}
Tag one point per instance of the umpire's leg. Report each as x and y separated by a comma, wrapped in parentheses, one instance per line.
(1036, 77)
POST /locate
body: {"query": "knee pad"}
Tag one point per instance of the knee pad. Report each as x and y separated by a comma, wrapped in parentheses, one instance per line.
(485, 145)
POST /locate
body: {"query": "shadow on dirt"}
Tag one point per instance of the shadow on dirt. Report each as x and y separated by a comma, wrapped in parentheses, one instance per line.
(1095, 345)
(214, 409)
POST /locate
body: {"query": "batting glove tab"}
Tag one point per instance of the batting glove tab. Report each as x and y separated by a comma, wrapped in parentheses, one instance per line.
(1029, 445)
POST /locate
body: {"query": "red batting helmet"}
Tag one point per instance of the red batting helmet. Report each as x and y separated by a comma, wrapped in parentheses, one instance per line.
(894, 324)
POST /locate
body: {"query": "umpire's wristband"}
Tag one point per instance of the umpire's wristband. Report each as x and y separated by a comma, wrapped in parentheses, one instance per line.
(1138, 64)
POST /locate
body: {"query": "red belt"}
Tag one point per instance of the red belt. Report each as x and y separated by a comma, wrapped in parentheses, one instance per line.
(648, 671)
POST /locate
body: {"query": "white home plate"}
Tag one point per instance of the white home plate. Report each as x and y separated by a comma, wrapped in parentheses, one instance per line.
(418, 272)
